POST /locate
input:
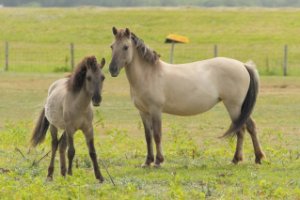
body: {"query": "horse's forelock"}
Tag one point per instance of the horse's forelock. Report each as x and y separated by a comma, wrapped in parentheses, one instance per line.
(91, 63)
(121, 34)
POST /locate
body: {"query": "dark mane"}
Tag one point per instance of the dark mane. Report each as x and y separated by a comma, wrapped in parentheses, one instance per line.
(77, 78)
(145, 52)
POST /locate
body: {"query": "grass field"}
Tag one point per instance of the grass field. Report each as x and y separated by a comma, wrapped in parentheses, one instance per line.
(39, 38)
(197, 163)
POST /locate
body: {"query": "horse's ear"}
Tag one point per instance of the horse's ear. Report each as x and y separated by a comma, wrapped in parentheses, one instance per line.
(114, 30)
(127, 32)
(102, 63)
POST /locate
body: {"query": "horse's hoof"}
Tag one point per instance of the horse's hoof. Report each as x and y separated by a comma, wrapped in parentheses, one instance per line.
(236, 160)
(101, 180)
(157, 165)
(49, 179)
(145, 165)
(259, 157)
(258, 161)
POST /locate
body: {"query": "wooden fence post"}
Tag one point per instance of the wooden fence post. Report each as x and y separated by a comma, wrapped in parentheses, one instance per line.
(285, 60)
(172, 52)
(72, 56)
(215, 50)
(6, 56)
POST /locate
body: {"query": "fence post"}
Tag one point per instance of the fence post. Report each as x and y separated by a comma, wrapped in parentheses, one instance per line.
(72, 55)
(6, 56)
(215, 50)
(285, 60)
(172, 52)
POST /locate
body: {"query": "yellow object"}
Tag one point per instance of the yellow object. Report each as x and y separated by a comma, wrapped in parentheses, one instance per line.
(174, 38)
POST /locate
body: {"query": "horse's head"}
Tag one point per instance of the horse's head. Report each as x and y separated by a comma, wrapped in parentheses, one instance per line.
(122, 51)
(94, 79)
(88, 76)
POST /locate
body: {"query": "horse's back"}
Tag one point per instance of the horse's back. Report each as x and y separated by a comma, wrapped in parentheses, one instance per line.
(54, 104)
(226, 75)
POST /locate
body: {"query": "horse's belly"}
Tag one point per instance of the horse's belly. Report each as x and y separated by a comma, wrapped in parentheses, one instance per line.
(186, 107)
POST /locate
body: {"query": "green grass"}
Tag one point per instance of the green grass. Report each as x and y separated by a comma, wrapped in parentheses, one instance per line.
(197, 164)
(39, 38)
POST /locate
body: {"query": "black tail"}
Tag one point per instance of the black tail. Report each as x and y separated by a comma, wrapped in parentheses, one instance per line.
(40, 130)
(248, 103)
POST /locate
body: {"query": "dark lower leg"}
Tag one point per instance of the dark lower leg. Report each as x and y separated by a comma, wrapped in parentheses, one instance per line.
(71, 153)
(93, 156)
(251, 128)
(157, 138)
(54, 145)
(148, 136)
(62, 153)
(238, 156)
(150, 156)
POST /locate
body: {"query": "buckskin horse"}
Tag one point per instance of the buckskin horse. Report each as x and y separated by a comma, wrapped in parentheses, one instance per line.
(158, 87)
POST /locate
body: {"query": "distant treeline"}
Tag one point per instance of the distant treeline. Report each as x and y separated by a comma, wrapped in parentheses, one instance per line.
(148, 3)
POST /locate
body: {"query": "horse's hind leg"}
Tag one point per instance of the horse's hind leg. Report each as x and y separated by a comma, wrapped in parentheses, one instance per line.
(234, 110)
(62, 153)
(238, 156)
(54, 145)
(147, 123)
(71, 152)
(259, 154)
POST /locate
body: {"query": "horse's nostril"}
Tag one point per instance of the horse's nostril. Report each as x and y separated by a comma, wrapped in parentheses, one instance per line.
(96, 100)
(112, 70)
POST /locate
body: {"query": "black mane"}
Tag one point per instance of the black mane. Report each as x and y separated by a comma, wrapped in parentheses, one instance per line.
(145, 52)
(77, 78)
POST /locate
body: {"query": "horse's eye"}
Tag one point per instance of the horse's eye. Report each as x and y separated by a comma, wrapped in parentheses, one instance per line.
(89, 78)
(125, 47)
(102, 78)
(111, 46)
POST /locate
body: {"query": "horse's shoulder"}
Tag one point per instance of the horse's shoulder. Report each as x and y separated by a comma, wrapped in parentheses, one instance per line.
(60, 83)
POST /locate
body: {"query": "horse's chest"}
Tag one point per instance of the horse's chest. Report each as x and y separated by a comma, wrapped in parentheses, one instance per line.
(139, 103)
(145, 101)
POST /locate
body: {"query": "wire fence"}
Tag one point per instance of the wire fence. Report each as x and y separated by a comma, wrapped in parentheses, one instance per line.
(39, 57)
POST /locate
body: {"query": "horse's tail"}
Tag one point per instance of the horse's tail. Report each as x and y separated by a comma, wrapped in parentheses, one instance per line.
(40, 130)
(249, 101)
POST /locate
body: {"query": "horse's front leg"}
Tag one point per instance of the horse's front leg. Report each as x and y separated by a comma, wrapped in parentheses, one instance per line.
(147, 123)
(89, 137)
(62, 153)
(156, 122)
(71, 152)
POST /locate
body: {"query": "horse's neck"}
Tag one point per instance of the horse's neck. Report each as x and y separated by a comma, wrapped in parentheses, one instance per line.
(139, 72)
(81, 100)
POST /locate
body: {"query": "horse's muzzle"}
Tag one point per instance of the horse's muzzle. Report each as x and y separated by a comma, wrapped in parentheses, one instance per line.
(96, 100)
(114, 71)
